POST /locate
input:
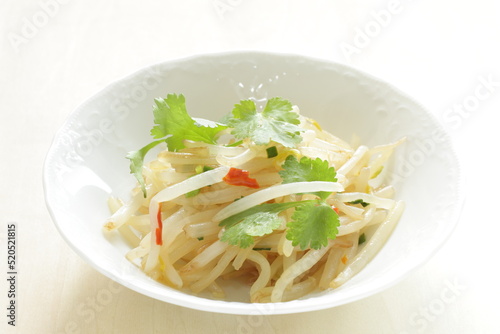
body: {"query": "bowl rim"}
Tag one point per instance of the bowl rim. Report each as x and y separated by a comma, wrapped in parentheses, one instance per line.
(240, 308)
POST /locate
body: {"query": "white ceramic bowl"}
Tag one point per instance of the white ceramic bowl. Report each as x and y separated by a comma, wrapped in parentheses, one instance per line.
(86, 162)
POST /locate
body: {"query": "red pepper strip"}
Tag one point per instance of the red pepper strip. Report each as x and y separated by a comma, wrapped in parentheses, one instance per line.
(159, 229)
(239, 177)
(336, 210)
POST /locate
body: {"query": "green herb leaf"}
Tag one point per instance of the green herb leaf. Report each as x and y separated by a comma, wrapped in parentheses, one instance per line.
(360, 201)
(265, 207)
(307, 170)
(312, 225)
(174, 123)
(277, 122)
(137, 161)
(255, 225)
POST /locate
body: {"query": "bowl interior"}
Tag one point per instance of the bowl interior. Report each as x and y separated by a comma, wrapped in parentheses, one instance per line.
(86, 162)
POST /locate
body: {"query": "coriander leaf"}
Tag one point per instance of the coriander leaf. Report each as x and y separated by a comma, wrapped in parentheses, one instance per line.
(137, 161)
(281, 109)
(244, 109)
(313, 223)
(272, 208)
(276, 123)
(174, 123)
(257, 224)
(307, 170)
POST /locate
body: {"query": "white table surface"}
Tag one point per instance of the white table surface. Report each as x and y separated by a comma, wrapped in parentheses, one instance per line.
(56, 53)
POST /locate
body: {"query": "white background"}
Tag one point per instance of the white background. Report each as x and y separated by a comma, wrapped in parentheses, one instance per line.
(55, 53)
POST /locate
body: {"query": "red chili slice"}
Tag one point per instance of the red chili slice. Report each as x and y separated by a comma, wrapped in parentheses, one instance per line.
(239, 177)
(159, 229)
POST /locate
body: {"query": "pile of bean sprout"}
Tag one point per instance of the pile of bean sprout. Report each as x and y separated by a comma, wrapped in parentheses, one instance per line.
(192, 256)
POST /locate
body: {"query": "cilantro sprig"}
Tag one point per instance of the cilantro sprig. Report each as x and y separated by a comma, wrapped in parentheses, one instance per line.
(137, 161)
(173, 126)
(312, 225)
(307, 170)
(313, 222)
(254, 225)
(277, 122)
